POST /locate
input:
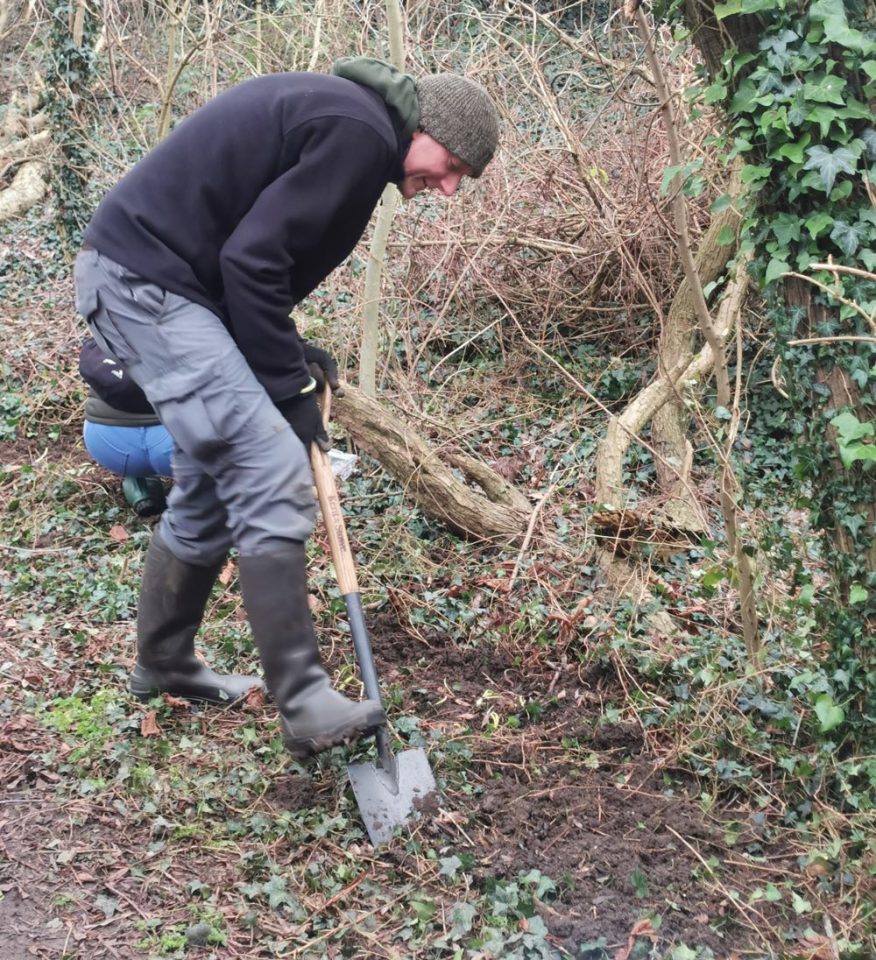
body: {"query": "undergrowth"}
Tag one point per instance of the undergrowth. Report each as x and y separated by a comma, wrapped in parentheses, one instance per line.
(157, 830)
(753, 754)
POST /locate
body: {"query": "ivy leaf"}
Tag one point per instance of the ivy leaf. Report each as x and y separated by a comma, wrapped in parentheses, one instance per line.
(726, 236)
(278, 895)
(847, 236)
(715, 93)
(800, 904)
(857, 451)
(832, 15)
(786, 227)
(684, 953)
(792, 151)
(823, 116)
(797, 113)
(424, 909)
(826, 89)
(751, 173)
(734, 7)
(869, 138)
(852, 437)
(829, 714)
(107, 905)
(639, 883)
(775, 269)
(743, 98)
(854, 110)
(462, 916)
(854, 521)
(829, 163)
(857, 594)
(449, 866)
(817, 223)
(669, 174)
(719, 204)
(850, 428)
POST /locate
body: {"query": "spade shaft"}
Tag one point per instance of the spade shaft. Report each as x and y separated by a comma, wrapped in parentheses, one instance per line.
(387, 790)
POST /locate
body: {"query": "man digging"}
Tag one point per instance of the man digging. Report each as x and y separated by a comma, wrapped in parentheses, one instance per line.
(189, 271)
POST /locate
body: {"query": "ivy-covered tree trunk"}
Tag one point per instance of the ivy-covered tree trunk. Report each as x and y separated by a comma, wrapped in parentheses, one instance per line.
(69, 67)
(798, 83)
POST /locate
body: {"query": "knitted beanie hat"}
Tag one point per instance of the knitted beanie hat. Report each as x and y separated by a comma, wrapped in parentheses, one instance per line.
(460, 115)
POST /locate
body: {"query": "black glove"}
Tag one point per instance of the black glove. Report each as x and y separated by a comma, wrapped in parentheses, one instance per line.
(303, 415)
(323, 366)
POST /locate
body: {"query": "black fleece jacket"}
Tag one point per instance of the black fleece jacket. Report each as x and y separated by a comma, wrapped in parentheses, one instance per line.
(252, 201)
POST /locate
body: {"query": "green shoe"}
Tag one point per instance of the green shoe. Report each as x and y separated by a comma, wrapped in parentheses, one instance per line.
(145, 495)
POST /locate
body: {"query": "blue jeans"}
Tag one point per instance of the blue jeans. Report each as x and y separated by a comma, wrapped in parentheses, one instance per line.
(130, 451)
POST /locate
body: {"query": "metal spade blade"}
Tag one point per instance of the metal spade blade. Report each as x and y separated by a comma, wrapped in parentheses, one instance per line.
(388, 794)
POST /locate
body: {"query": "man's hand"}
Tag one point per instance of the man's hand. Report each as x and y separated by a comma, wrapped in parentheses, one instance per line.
(303, 415)
(323, 366)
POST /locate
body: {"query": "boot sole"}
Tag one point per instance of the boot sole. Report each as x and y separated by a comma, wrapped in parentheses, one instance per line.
(145, 695)
(303, 747)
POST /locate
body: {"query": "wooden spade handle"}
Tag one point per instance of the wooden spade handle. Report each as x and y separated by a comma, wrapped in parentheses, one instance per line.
(330, 504)
(345, 569)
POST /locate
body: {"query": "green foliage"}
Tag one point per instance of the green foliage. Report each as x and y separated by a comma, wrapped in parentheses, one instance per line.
(505, 922)
(69, 67)
(855, 439)
(799, 105)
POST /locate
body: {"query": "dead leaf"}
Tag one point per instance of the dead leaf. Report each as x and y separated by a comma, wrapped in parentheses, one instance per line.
(255, 698)
(497, 583)
(177, 703)
(818, 947)
(149, 725)
(642, 928)
(227, 573)
(118, 533)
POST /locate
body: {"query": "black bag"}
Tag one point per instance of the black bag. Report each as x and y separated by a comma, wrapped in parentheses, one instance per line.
(109, 381)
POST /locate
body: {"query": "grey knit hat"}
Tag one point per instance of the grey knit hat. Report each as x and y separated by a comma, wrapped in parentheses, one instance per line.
(460, 115)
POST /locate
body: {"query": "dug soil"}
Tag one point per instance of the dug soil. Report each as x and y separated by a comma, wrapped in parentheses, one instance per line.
(537, 781)
(611, 819)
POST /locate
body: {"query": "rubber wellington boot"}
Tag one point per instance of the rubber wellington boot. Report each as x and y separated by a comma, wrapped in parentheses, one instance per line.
(173, 596)
(313, 715)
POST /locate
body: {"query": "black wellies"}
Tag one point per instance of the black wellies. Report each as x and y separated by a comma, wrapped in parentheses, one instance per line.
(173, 596)
(314, 716)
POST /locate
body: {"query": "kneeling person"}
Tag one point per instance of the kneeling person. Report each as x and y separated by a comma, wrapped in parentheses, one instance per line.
(123, 433)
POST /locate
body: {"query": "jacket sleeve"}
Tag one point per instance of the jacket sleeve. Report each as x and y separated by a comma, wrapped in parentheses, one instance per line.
(314, 212)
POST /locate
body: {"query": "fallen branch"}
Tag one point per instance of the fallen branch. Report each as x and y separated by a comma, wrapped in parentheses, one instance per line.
(27, 188)
(498, 512)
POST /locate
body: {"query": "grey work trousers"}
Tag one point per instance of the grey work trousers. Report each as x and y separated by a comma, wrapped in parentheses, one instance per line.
(241, 475)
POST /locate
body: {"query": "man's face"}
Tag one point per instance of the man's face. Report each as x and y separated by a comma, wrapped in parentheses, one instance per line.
(429, 166)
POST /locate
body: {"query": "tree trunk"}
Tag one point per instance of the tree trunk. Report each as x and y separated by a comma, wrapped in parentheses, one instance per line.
(671, 422)
(843, 393)
(377, 250)
(713, 39)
